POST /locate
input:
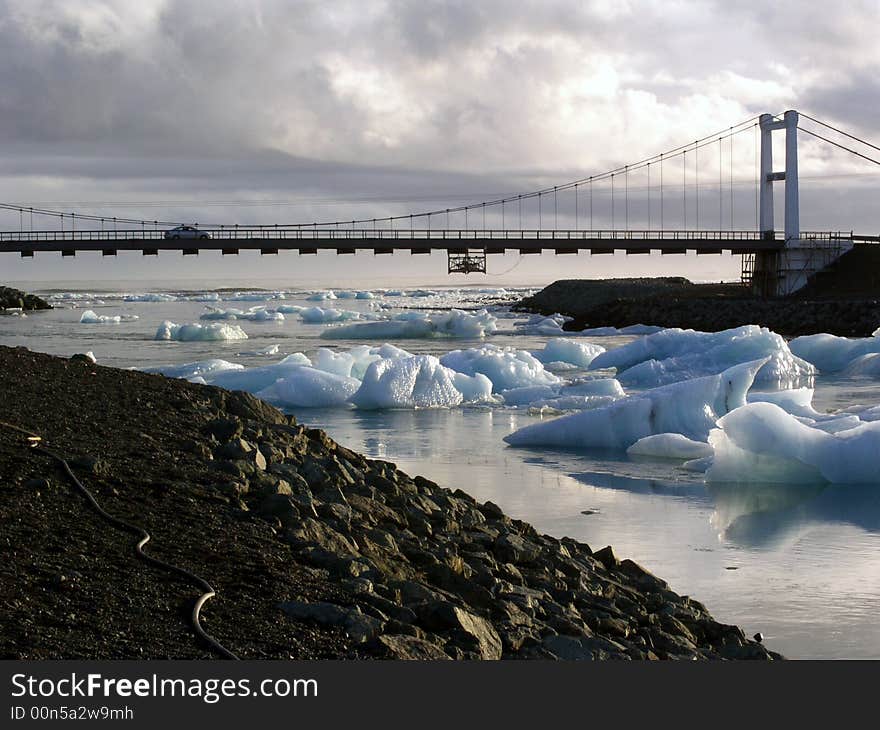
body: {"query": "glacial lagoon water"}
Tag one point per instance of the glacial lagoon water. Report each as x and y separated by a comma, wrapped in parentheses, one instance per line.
(799, 563)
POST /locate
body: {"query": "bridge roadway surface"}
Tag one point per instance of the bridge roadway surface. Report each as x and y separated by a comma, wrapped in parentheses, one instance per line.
(272, 240)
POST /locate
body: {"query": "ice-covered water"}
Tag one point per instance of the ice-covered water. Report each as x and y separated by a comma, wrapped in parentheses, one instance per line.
(782, 549)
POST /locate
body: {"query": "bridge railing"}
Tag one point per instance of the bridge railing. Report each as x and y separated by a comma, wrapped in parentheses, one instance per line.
(408, 234)
(271, 232)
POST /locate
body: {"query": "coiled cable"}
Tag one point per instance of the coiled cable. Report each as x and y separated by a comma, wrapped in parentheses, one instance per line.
(35, 442)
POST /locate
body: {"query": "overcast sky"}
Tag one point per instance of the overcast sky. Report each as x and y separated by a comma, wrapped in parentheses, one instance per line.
(186, 110)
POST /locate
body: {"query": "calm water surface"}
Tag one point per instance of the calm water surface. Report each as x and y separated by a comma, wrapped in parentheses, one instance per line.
(800, 564)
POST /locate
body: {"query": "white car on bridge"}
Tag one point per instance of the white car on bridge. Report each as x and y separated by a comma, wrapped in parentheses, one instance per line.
(186, 232)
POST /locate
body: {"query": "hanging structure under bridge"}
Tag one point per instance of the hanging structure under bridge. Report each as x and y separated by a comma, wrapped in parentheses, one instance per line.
(669, 203)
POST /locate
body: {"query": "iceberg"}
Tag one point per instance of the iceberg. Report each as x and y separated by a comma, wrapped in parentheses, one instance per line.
(417, 325)
(320, 296)
(199, 371)
(670, 446)
(259, 378)
(417, 382)
(199, 332)
(672, 355)
(831, 353)
(594, 386)
(254, 314)
(263, 351)
(89, 317)
(760, 442)
(506, 367)
(579, 354)
(306, 387)
(690, 408)
(867, 365)
(151, 298)
(355, 362)
(633, 329)
(318, 315)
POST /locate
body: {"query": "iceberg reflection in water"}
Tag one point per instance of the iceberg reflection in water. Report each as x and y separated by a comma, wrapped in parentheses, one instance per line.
(770, 515)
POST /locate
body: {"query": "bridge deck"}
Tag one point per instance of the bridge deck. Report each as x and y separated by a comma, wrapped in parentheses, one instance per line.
(311, 240)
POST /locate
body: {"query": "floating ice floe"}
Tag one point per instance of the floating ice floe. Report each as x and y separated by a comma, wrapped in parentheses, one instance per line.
(418, 382)
(672, 355)
(543, 325)
(306, 387)
(690, 408)
(670, 446)
(320, 296)
(200, 371)
(152, 297)
(831, 353)
(319, 315)
(867, 365)
(633, 329)
(90, 317)
(251, 296)
(199, 332)
(254, 314)
(506, 367)
(354, 362)
(760, 442)
(564, 350)
(418, 325)
(263, 351)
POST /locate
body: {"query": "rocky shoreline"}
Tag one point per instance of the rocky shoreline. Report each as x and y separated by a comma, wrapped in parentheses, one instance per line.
(15, 299)
(706, 307)
(316, 551)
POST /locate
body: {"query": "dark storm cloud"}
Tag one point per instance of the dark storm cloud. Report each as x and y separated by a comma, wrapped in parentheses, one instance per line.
(404, 97)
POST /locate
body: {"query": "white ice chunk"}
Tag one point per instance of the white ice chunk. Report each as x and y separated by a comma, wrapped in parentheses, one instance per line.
(573, 402)
(830, 353)
(594, 386)
(305, 387)
(633, 329)
(199, 332)
(690, 408)
(256, 379)
(580, 354)
(867, 365)
(321, 296)
(506, 367)
(89, 317)
(319, 315)
(413, 382)
(263, 351)
(254, 314)
(672, 355)
(202, 369)
(760, 442)
(418, 325)
(151, 298)
(670, 446)
(526, 395)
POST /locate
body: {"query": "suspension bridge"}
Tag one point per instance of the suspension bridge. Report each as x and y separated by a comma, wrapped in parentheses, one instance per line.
(670, 203)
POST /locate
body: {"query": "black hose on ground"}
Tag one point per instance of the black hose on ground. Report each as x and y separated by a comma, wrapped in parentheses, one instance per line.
(35, 442)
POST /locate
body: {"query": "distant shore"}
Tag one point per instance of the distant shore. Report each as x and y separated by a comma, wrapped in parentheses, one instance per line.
(315, 551)
(676, 302)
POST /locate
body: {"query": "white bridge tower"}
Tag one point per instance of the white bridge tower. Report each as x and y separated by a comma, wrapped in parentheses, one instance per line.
(782, 272)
